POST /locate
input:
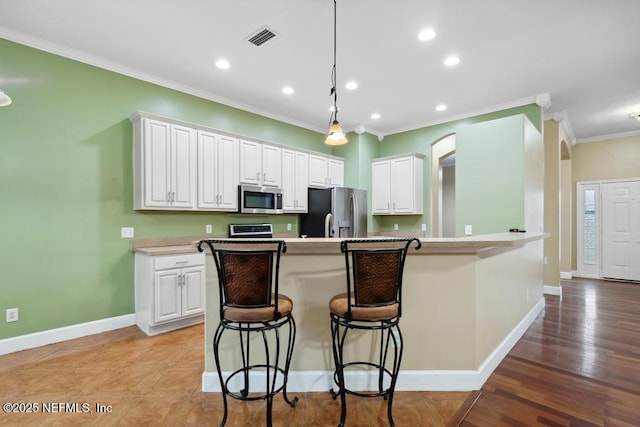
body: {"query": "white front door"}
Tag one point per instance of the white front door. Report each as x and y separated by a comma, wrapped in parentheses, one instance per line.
(621, 230)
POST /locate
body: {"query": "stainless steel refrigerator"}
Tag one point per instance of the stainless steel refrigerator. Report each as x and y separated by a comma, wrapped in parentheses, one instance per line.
(335, 212)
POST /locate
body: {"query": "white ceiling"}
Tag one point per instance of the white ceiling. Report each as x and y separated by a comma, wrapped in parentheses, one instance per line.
(583, 53)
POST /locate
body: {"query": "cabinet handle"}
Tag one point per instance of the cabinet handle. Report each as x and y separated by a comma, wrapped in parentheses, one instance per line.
(257, 176)
(264, 176)
(182, 262)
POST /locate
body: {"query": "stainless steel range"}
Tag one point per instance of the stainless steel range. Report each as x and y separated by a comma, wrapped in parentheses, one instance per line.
(251, 230)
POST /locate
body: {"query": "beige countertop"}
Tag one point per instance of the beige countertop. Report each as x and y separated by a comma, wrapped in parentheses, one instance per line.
(320, 245)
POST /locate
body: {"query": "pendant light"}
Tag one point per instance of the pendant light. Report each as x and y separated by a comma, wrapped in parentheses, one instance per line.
(336, 135)
(4, 99)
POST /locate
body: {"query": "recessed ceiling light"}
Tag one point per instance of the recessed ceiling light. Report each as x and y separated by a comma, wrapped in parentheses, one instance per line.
(375, 116)
(451, 61)
(223, 64)
(426, 35)
(287, 90)
(441, 107)
(351, 85)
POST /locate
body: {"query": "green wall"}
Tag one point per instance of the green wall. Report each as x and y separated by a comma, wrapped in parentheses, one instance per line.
(420, 141)
(67, 186)
(489, 176)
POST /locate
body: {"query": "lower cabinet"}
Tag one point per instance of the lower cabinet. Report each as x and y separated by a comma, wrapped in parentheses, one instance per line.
(169, 291)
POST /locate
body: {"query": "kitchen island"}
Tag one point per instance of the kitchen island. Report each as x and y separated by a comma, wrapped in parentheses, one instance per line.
(466, 302)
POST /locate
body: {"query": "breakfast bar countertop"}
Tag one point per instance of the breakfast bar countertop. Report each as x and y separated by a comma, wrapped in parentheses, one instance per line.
(321, 245)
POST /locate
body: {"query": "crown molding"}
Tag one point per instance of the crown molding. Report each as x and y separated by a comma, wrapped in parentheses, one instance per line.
(43, 45)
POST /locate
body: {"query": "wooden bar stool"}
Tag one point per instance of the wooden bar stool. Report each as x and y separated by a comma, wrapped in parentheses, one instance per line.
(372, 302)
(248, 275)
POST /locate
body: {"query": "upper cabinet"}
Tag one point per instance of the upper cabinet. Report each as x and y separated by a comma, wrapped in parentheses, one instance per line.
(164, 165)
(184, 166)
(397, 186)
(295, 176)
(325, 171)
(217, 172)
(260, 164)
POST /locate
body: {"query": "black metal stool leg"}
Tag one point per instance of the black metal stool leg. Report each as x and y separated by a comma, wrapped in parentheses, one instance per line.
(290, 344)
(223, 387)
(397, 358)
(338, 339)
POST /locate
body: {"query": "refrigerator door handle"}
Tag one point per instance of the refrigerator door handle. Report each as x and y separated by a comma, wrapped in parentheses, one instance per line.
(328, 225)
(354, 216)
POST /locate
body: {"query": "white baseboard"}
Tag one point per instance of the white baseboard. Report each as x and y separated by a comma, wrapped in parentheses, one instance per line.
(37, 339)
(553, 290)
(454, 380)
(566, 275)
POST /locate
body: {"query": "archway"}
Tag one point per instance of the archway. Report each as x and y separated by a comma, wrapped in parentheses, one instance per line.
(442, 154)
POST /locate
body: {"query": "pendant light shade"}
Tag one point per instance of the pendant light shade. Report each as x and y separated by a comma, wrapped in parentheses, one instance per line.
(335, 135)
(4, 99)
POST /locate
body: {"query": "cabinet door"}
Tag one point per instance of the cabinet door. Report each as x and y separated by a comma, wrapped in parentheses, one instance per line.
(228, 173)
(183, 167)
(167, 296)
(250, 162)
(208, 195)
(271, 166)
(288, 180)
(381, 187)
(157, 153)
(335, 173)
(301, 179)
(193, 288)
(317, 171)
(402, 179)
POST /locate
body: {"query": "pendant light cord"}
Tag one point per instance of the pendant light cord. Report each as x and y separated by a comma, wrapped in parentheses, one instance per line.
(334, 91)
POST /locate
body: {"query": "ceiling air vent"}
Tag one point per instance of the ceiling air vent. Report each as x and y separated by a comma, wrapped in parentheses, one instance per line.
(261, 36)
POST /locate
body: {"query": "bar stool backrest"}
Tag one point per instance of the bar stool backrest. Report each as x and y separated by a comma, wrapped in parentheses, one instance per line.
(248, 271)
(374, 271)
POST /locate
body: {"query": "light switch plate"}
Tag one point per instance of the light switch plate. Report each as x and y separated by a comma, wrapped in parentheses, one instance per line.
(468, 230)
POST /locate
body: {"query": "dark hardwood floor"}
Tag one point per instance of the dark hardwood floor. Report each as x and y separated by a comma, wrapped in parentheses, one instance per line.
(577, 365)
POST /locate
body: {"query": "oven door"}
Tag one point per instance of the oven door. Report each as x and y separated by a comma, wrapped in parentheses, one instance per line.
(260, 200)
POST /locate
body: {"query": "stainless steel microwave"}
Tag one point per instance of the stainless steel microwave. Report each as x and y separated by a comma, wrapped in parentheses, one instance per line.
(259, 200)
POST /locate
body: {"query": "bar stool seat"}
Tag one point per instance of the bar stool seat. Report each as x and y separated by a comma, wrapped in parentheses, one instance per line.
(260, 314)
(373, 302)
(341, 305)
(248, 279)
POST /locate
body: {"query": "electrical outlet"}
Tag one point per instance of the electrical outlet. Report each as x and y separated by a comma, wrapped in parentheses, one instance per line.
(468, 231)
(126, 232)
(395, 227)
(424, 227)
(288, 226)
(12, 315)
(208, 229)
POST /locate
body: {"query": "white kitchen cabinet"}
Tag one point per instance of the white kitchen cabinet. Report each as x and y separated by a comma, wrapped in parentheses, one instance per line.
(217, 172)
(164, 159)
(325, 171)
(397, 185)
(169, 291)
(295, 176)
(260, 164)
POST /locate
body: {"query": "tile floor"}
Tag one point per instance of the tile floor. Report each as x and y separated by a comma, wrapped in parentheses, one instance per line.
(124, 378)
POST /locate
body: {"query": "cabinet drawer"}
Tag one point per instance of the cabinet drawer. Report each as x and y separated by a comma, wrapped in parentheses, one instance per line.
(178, 261)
